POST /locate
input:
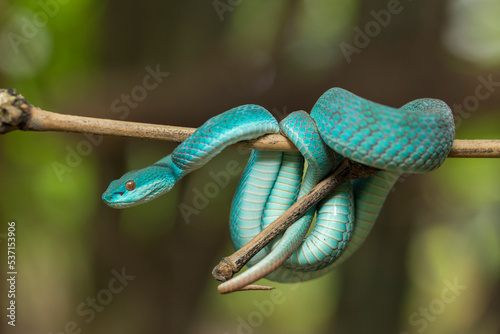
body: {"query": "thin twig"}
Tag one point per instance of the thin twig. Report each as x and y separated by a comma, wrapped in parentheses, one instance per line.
(17, 114)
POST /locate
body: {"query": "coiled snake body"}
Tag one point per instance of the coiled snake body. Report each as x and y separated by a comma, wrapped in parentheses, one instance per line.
(415, 138)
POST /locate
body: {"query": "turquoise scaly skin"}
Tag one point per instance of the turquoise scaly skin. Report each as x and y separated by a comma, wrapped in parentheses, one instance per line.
(412, 139)
(369, 194)
(415, 138)
(250, 201)
(240, 123)
(333, 227)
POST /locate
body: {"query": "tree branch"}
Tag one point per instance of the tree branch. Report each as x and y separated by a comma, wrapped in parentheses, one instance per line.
(17, 114)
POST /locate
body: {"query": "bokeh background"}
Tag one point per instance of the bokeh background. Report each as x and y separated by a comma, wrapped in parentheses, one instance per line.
(432, 262)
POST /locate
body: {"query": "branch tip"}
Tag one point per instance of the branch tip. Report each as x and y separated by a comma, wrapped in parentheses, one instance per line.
(15, 111)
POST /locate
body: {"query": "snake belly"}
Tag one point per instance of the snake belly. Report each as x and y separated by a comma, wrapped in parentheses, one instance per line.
(332, 230)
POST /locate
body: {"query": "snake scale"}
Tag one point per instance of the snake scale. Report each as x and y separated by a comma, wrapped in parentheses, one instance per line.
(414, 138)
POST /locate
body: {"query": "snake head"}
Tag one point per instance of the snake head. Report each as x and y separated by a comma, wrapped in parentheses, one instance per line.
(139, 186)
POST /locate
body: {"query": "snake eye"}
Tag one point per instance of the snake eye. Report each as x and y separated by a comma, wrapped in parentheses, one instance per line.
(130, 185)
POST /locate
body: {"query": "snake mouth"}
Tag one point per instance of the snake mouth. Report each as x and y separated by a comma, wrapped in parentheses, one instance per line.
(115, 200)
(122, 200)
(118, 204)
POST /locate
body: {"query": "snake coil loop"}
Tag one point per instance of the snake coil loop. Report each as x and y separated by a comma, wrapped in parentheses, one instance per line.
(415, 138)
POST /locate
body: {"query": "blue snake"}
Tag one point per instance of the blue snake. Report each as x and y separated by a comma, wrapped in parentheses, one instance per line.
(414, 138)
